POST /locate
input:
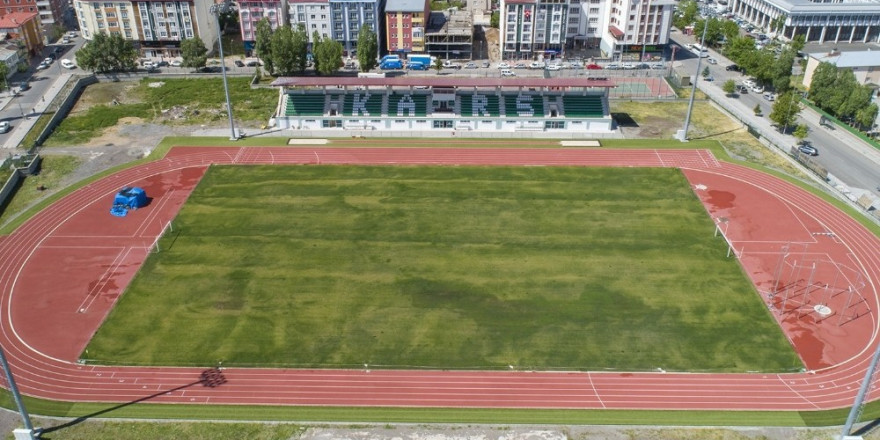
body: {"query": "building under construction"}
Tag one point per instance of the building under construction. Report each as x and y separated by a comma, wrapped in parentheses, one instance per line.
(450, 34)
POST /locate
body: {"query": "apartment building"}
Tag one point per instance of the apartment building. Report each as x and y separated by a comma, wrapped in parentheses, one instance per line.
(620, 28)
(156, 27)
(347, 17)
(405, 22)
(313, 15)
(25, 28)
(252, 12)
(51, 11)
(838, 21)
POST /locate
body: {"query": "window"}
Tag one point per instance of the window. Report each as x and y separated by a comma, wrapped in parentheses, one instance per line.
(443, 124)
(594, 10)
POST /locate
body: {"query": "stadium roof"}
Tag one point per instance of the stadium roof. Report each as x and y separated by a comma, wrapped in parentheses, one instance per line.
(421, 81)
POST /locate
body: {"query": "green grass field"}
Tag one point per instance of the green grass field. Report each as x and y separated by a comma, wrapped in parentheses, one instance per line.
(453, 267)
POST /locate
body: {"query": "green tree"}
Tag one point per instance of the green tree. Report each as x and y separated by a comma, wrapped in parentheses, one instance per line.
(859, 98)
(785, 110)
(822, 83)
(300, 43)
(438, 65)
(367, 48)
(328, 55)
(798, 42)
(800, 132)
(106, 54)
(706, 71)
(193, 52)
(738, 48)
(866, 116)
(713, 34)
(729, 87)
(729, 29)
(283, 51)
(687, 13)
(757, 110)
(494, 20)
(263, 44)
(781, 71)
(778, 23)
(4, 73)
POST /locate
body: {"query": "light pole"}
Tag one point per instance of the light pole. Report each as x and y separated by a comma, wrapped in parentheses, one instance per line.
(28, 431)
(217, 9)
(683, 133)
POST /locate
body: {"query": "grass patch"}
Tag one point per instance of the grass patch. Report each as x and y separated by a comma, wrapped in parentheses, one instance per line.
(545, 268)
(53, 170)
(199, 101)
(663, 119)
(31, 137)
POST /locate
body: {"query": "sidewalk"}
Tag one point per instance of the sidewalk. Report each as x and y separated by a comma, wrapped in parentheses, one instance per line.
(21, 129)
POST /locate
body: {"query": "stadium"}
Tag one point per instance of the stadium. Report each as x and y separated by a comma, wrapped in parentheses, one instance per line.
(813, 272)
(403, 104)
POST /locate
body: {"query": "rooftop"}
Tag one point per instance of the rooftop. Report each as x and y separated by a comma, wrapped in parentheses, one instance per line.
(406, 6)
(16, 19)
(863, 58)
(450, 23)
(439, 81)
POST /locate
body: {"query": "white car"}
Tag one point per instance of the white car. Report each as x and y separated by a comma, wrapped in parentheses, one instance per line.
(5, 127)
(67, 64)
(536, 65)
(749, 83)
(176, 63)
(758, 89)
(554, 67)
(43, 65)
(503, 66)
(712, 61)
(629, 66)
(507, 72)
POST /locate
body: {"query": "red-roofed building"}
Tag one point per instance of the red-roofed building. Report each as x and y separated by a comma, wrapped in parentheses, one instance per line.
(24, 27)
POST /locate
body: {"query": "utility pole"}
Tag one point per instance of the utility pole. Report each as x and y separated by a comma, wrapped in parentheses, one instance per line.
(28, 432)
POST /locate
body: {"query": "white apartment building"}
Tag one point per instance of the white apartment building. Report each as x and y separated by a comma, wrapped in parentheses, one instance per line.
(156, 27)
(632, 29)
(313, 15)
(820, 21)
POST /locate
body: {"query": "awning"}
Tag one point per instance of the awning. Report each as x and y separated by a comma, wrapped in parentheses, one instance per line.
(615, 32)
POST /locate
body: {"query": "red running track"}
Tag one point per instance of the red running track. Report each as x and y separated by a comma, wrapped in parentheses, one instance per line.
(62, 271)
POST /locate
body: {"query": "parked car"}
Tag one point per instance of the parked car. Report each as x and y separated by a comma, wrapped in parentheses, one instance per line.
(470, 65)
(749, 83)
(519, 66)
(554, 67)
(769, 96)
(162, 63)
(43, 65)
(176, 63)
(742, 90)
(503, 66)
(629, 66)
(147, 65)
(612, 66)
(732, 68)
(593, 66)
(577, 65)
(67, 64)
(712, 61)
(643, 66)
(238, 63)
(507, 72)
(5, 127)
(24, 85)
(808, 149)
(485, 64)
(536, 65)
(253, 63)
(758, 88)
(658, 66)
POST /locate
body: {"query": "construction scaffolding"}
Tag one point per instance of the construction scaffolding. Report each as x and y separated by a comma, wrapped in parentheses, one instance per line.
(450, 35)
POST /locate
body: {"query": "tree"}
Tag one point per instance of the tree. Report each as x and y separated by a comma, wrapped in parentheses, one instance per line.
(713, 34)
(367, 48)
(798, 42)
(283, 51)
(106, 54)
(757, 110)
(866, 116)
(687, 14)
(785, 110)
(4, 73)
(781, 71)
(438, 65)
(729, 87)
(778, 23)
(729, 29)
(263, 44)
(300, 48)
(800, 132)
(738, 48)
(193, 52)
(822, 83)
(494, 19)
(328, 55)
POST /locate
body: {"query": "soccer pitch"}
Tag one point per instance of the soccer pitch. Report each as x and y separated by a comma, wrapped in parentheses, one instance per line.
(444, 267)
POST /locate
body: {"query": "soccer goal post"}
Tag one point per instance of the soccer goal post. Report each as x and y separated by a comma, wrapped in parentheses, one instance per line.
(155, 247)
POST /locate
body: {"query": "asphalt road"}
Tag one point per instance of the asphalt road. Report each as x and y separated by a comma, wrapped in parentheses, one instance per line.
(856, 165)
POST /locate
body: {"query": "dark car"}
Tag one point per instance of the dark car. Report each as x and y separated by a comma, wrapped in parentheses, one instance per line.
(742, 90)
(253, 63)
(162, 64)
(239, 63)
(808, 149)
(210, 69)
(24, 85)
(732, 67)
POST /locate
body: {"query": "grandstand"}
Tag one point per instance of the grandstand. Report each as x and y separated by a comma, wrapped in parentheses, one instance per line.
(571, 105)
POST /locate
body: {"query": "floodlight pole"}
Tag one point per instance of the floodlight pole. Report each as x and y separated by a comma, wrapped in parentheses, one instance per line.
(682, 134)
(856, 409)
(217, 9)
(16, 395)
